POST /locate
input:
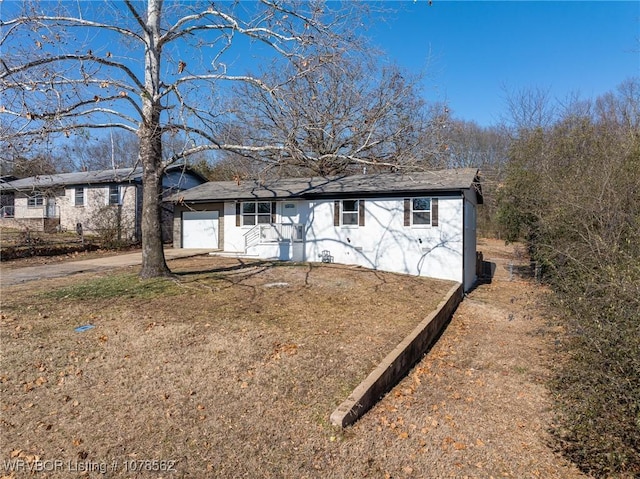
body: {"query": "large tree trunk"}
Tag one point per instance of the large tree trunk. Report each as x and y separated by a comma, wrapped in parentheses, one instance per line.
(150, 133)
(153, 261)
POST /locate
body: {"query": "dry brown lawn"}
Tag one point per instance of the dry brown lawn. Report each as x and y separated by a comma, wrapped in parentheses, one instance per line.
(60, 247)
(234, 369)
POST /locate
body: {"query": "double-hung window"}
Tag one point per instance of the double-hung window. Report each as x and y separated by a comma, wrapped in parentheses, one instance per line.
(114, 194)
(348, 213)
(421, 212)
(256, 212)
(36, 200)
(79, 196)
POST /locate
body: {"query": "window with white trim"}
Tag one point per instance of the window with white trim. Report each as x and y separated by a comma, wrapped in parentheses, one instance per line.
(114, 195)
(421, 211)
(350, 212)
(256, 212)
(79, 196)
(35, 200)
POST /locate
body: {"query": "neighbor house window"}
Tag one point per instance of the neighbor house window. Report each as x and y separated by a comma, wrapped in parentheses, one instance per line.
(79, 196)
(36, 200)
(257, 212)
(421, 212)
(114, 195)
(348, 213)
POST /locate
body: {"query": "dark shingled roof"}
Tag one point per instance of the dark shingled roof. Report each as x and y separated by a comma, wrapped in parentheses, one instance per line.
(79, 178)
(374, 184)
(118, 175)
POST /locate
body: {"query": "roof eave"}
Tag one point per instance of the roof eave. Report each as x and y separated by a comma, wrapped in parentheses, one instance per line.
(181, 198)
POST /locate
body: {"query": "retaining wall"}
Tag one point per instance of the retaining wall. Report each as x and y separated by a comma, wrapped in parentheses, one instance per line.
(398, 362)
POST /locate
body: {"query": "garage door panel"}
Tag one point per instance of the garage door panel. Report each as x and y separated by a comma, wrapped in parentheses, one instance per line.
(200, 229)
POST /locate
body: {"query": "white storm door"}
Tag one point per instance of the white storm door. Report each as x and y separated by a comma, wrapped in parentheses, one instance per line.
(200, 229)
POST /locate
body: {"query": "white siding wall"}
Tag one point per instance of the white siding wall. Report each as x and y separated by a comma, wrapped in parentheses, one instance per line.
(383, 243)
(233, 235)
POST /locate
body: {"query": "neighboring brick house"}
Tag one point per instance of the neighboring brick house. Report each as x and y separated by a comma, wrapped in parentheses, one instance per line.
(93, 199)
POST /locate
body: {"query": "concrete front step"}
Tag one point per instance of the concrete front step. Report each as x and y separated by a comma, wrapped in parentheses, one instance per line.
(233, 255)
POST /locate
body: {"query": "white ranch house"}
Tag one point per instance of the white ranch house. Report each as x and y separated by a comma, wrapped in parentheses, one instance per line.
(421, 223)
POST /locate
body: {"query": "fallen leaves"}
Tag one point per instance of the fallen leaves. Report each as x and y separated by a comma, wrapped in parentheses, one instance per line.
(150, 326)
(449, 442)
(30, 385)
(21, 454)
(289, 349)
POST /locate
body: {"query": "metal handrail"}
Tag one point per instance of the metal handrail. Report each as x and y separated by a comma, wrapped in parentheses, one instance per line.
(8, 212)
(252, 237)
(273, 233)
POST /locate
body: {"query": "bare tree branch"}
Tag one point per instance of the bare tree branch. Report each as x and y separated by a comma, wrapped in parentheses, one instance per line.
(67, 22)
(61, 85)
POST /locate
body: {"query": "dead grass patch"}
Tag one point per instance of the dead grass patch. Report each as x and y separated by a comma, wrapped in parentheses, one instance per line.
(232, 370)
(235, 374)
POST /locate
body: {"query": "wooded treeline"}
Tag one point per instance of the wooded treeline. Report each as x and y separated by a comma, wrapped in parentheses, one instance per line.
(572, 192)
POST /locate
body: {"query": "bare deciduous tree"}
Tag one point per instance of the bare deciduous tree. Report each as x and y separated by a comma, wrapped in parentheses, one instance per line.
(151, 69)
(116, 149)
(335, 113)
(530, 108)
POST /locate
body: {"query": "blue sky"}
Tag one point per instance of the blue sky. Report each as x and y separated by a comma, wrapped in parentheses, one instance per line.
(473, 52)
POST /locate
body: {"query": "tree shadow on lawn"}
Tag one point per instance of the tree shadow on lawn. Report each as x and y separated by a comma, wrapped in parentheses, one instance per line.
(255, 267)
(242, 265)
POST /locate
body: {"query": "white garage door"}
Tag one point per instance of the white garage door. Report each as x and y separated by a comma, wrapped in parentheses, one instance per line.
(200, 229)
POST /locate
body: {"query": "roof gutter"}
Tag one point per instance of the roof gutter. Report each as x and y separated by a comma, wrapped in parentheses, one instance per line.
(179, 198)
